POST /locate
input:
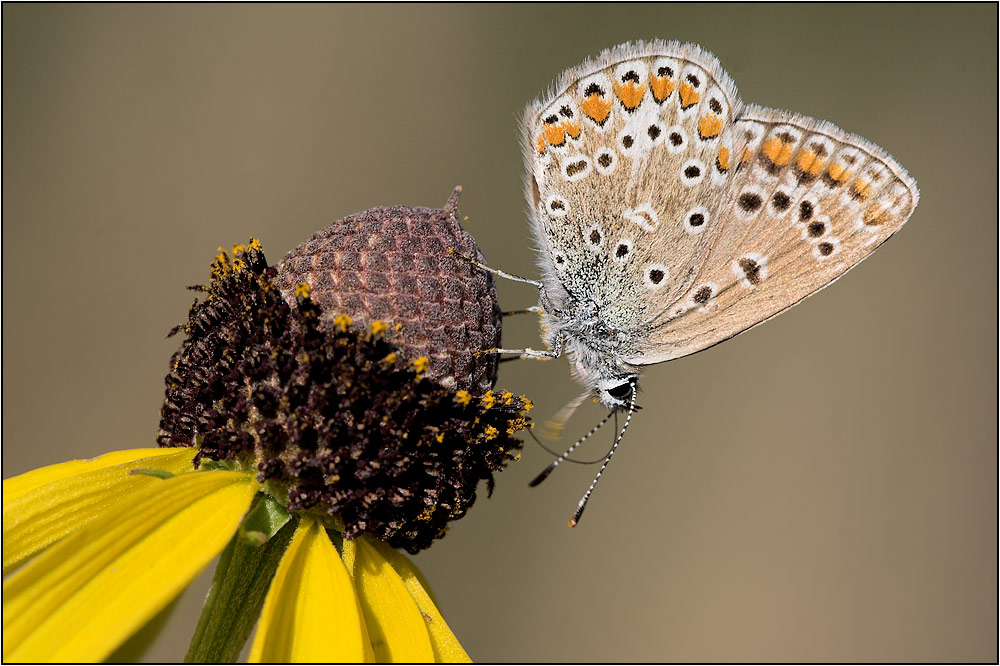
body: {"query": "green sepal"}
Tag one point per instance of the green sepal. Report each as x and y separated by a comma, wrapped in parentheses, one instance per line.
(236, 597)
(264, 519)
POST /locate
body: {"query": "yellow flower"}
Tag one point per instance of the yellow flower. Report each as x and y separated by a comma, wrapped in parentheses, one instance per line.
(98, 547)
(293, 451)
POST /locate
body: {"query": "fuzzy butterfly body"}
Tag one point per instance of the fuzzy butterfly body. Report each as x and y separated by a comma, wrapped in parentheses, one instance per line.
(671, 216)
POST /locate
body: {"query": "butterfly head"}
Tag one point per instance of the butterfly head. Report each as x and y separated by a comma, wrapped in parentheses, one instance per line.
(616, 392)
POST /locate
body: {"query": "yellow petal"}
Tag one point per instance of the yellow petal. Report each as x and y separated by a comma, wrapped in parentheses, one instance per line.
(44, 505)
(311, 612)
(84, 596)
(23, 483)
(446, 647)
(397, 629)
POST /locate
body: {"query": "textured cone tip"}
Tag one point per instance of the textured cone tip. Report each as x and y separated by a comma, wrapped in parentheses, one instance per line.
(407, 266)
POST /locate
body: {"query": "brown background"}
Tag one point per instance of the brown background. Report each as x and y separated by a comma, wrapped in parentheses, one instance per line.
(823, 488)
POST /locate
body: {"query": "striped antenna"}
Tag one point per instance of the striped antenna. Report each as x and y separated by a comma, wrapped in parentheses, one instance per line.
(583, 502)
(565, 454)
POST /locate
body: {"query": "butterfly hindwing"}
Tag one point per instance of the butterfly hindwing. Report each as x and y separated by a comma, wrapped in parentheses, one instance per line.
(807, 202)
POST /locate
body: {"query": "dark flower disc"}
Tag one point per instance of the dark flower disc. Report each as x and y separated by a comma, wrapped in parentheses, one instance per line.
(332, 414)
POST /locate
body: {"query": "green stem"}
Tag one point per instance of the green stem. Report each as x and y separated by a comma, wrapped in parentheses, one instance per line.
(240, 585)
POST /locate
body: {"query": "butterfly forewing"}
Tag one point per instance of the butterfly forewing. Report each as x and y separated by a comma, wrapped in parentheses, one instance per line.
(680, 216)
(627, 160)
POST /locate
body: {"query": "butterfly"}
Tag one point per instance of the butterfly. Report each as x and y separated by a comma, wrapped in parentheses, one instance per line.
(670, 216)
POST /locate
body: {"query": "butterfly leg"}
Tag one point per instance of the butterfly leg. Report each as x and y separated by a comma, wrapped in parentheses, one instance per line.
(533, 308)
(539, 354)
(497, 272)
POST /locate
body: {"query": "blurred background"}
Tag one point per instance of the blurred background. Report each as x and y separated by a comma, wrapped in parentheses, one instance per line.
(764, 507)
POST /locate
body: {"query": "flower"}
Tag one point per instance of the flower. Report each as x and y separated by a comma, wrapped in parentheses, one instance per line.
(302, 445)
(108, 548)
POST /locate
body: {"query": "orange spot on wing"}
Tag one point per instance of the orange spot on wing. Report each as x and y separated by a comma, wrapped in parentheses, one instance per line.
(724, 157)
(875, 216)
(540, 144)
(572, 128)
(809, 162)
(777, 151)
(710, 125)
(861, 189)
(597, 109)
(661, 86)
(554, 134)
(689, 95)
(839, 172)
(747, 154)
(630, 94)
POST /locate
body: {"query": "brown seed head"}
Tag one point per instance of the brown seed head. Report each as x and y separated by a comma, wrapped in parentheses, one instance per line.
(405, 266)
(329, 413)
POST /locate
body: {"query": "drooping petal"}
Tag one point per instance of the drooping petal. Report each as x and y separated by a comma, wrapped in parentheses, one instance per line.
(397, 629)
(23, 483)
(311, 613)
(44, 505)
(82, 597)
(446, 647)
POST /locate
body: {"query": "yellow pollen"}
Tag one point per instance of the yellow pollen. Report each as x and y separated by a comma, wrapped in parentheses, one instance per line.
(378, 329)
(596, 108)
(488, 400)
(440, 438)
(463, 397)
(391, 358)
(421, 364)
(491, 432)
(342, 322)
(302, 290)
(254, 244)
(238, 248)
(709, 126)
(527, 404)
(507, 397)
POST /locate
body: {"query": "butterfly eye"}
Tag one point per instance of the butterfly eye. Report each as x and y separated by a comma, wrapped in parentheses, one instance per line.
(621, 392)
